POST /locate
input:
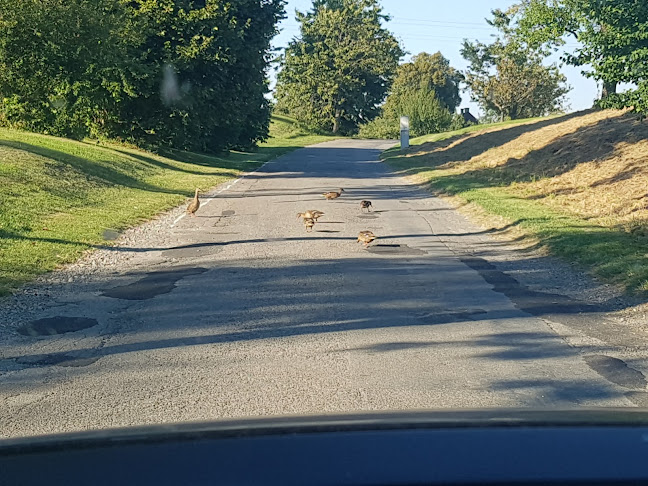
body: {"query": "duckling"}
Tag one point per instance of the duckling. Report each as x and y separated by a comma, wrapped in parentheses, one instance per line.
(194, 205)
(309, 223)
(311, 213)
(333, 194)
(365, 205)
(366, 237)
(315, 213)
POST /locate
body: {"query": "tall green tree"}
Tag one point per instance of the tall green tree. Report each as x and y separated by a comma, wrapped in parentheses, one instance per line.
(548, 23)
(337, 72)
(619, 49)
(429, 72)
(189, 74)
(61, 64)
(211, 56)
(509, 78)
(426, 90)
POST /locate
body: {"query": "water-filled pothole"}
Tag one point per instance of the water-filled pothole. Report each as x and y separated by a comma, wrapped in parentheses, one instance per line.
(52, 326)
(155, 283)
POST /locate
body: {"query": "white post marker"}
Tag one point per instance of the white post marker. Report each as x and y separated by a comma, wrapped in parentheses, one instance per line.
(404, 132)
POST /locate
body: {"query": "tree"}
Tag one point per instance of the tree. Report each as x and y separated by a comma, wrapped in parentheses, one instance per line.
(547, 23)
(425, 89)
(509, 77)
(615, 48)
(81, 67)
(336, 74)
(60, 64)
(430, 72)
(216, 54)
(426, 115)
(612, 37)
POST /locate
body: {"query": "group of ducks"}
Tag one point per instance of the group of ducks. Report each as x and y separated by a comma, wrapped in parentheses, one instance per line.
(309, 217)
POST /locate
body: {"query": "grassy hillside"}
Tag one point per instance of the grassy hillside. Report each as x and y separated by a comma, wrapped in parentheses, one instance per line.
(577, 184)
(57, 196)
(438, 137)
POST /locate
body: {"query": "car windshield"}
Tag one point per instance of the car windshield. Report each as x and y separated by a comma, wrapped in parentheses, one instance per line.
(224, 209)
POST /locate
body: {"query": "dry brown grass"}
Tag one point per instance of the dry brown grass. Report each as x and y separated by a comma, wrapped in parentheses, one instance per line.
(593, 165)
(576, 184)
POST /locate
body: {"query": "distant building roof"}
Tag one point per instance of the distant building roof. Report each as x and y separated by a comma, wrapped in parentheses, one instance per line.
(465, 112)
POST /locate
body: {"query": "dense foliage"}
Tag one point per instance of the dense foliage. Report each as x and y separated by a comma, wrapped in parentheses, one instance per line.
(612, 41)
(508, 77)
(426, 115)
(425, 89)
(429, 72)
(183, 73)
(337, 72)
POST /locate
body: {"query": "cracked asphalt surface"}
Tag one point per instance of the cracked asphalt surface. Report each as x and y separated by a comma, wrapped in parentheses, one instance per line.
(240, 312)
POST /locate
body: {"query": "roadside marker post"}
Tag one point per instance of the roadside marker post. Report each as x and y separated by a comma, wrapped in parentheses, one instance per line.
(404, 132)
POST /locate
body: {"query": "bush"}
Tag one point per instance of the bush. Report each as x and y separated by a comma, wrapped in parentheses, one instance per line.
(426, 113)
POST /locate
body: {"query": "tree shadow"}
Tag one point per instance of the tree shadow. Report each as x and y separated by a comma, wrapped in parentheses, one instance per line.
(611, 252)
(162, 165)
(464, 147)
(214, 312)
(101, 171)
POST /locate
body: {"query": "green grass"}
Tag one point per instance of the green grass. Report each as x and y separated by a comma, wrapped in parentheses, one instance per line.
(609, 252)
(58, 196)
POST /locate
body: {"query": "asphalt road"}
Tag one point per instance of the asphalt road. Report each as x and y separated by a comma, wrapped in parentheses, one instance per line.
(240, 312)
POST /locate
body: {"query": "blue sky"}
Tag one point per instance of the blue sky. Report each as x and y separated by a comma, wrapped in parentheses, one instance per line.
(435, 25)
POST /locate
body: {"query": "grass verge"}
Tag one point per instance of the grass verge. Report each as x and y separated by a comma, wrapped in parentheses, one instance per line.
(58, 197)
(575, 184)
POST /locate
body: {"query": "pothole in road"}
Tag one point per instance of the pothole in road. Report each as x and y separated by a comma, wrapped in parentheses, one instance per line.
(616, 371)
(155, 283)
(64, 360)
(52, 326)
(193, 250)
(394, 250)
(368, 216)
(228, 212)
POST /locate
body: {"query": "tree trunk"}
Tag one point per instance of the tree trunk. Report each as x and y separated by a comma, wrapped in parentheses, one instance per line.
(609, 88)
(336, 121)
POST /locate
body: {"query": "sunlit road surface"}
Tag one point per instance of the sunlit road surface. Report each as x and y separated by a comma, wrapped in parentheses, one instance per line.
(255, 316)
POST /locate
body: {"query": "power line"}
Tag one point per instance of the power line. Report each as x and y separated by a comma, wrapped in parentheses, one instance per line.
(430, 21)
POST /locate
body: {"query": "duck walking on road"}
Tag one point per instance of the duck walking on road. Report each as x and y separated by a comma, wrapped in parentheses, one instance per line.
(365, 205)
(366, 237)
(333, 194)
(309, 223)
(194, 205)
(311, 214)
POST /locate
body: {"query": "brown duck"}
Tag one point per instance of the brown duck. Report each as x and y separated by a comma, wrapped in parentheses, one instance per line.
(311, 214)
(194, 205)
(309, 223)
(366, 237)
(333, 194)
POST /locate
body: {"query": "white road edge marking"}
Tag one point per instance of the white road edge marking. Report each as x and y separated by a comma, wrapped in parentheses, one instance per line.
(223, 189)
